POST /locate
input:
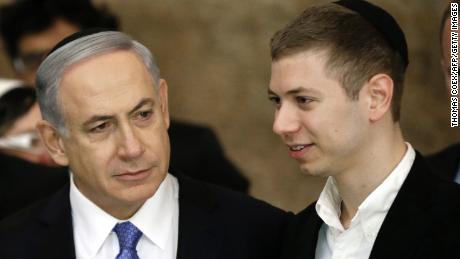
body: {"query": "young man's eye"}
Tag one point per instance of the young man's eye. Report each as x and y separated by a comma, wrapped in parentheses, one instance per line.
(303, 100)
(275, 100)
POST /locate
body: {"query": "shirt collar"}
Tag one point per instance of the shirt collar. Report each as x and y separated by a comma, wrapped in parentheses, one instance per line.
(377, 204)
(154, 218)
(328, 205)
(373, 209)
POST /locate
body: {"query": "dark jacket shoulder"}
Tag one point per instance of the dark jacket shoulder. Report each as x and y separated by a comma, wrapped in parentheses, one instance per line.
(42, 230)
(24, 183)
(446, 162)
(300, 237)
(230, 224)
(228, 201)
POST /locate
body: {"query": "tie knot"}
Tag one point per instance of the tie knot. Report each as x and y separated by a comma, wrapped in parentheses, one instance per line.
(128, 235)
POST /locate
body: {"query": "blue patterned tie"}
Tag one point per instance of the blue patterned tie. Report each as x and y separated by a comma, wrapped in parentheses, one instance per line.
(128, 236)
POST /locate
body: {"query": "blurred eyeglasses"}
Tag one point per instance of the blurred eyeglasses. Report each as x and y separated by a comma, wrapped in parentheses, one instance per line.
(29, 61)
(28, 141)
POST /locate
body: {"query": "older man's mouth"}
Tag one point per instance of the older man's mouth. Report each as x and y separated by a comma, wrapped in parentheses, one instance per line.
(134, 175)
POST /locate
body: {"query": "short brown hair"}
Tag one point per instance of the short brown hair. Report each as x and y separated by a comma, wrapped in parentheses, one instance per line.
(356, 50)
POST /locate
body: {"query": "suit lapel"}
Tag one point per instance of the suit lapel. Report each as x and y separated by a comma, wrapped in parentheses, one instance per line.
(56, 222)
(406, 215)
(199, 233)
(308, 234)
(199, 236)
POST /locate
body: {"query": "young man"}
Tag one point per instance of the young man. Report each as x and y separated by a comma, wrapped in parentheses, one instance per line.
(337, 81)
(105, 111)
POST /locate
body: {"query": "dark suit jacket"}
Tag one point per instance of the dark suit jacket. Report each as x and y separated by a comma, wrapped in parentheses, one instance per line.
(196, 152)
(22, 183)
(214, 223)
(446, 162)
(423, 222)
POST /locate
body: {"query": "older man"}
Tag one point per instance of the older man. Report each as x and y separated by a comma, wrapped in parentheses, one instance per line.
(29, 29)
(105, 112)
(337, 81)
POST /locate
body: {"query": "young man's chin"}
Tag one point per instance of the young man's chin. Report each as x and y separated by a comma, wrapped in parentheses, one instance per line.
(312, 169)
(307, 169)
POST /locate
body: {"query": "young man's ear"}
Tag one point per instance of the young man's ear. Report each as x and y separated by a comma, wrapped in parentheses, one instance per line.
(163, 94)
(380, 91)
(53, 142)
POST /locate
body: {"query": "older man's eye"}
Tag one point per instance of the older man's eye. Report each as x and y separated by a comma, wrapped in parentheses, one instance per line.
(144, 115)
(101, 127)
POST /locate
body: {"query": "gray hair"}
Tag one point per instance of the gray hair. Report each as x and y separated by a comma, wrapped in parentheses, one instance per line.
(49, 74)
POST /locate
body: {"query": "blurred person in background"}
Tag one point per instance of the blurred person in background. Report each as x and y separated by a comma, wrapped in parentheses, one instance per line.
(447, 161)
(27, 171)
(20, 113)
(31, 28)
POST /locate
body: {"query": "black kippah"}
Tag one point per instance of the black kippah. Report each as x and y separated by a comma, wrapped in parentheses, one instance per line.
(383, 22)
(77, 35)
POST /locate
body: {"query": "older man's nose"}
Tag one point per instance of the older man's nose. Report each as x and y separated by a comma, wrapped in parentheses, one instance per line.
(130, 145)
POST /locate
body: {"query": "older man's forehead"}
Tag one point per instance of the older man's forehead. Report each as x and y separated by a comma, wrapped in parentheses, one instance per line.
(107, 84)
(145, 102)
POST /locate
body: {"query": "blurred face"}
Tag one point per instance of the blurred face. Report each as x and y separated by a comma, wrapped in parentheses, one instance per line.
(33, 47)
(445, 59)
(36, 151)
(322, 128)
(117, 144)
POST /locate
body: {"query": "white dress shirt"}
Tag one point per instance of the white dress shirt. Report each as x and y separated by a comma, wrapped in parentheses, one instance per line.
(336, 242)
(157, 219)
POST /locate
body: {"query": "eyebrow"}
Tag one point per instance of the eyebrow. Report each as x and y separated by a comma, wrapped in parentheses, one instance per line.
(143, 102)
(296, 90)
(95, 118)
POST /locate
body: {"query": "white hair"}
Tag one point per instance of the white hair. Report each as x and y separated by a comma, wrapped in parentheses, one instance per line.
(49, 74)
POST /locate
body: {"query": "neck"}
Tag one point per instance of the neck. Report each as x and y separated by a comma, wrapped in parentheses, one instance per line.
(355, 184)
(116, 208)
(123, 213)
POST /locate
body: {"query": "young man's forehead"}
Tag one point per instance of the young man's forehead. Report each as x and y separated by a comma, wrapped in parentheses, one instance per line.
(295, 90)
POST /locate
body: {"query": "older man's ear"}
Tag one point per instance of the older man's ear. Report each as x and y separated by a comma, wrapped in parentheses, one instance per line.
(163, 94)
(53, 142)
